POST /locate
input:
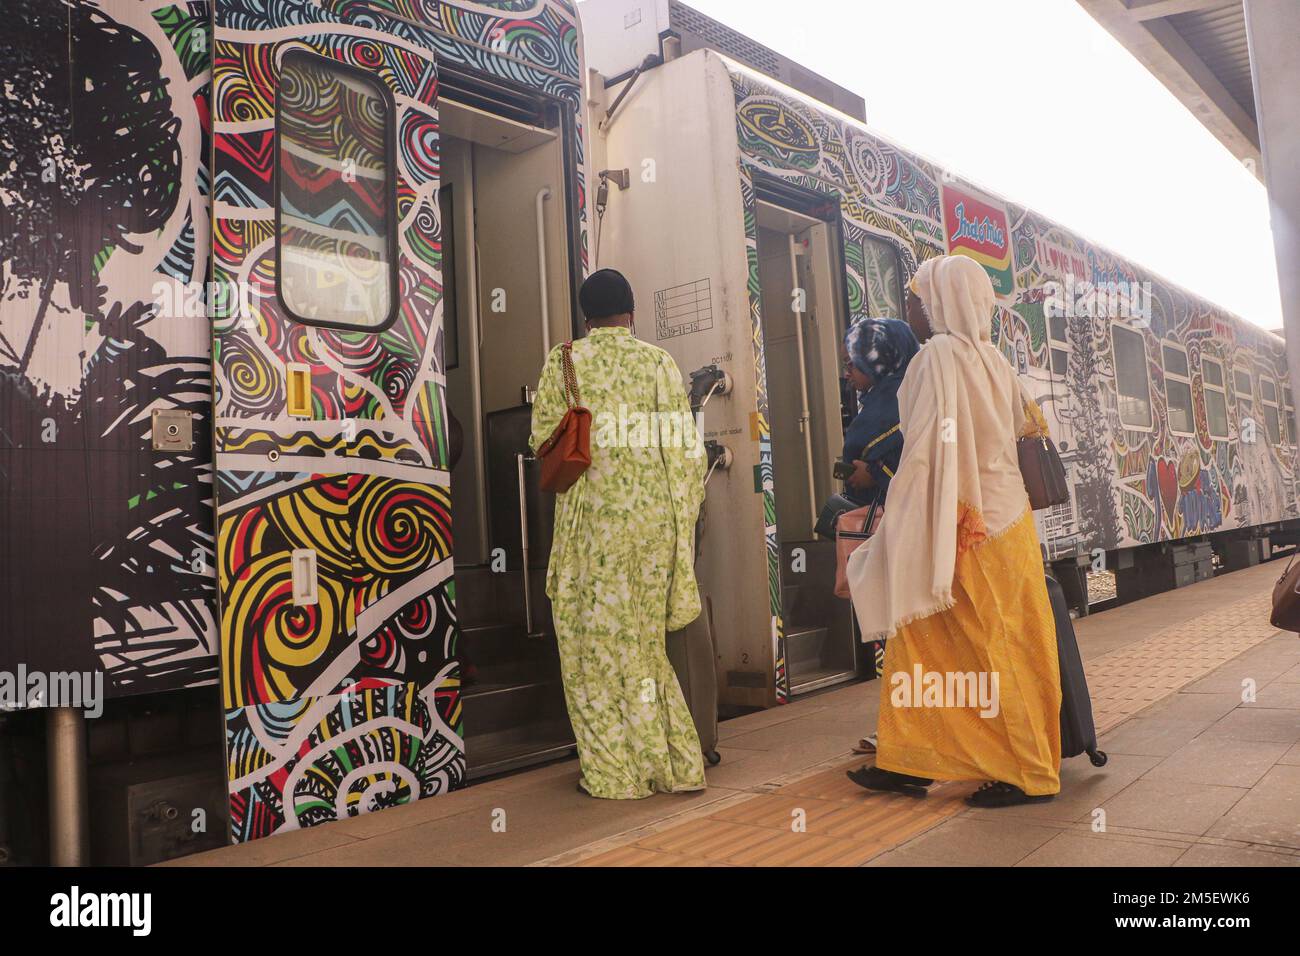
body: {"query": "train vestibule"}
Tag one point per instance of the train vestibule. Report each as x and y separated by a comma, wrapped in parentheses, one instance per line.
(801, 280)
(508, 289)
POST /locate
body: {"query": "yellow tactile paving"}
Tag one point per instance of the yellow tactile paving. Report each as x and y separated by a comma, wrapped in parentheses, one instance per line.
(638, 856)
(841, 825)
(1127, 680)
(823, 820)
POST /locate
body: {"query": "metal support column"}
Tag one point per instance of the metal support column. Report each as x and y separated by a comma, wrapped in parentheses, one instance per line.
(1271, 29)
(65, 747)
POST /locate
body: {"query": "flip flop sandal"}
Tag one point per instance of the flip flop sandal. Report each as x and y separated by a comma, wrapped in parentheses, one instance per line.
(865, 747)
(882, 781)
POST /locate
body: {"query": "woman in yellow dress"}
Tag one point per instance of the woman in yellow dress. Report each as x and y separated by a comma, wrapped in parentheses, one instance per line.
(953, 580)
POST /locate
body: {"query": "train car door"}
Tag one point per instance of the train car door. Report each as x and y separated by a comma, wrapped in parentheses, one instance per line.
(339, 678)
(800, 270)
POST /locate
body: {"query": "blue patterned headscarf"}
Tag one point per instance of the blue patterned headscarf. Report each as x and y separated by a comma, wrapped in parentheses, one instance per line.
(881, 347)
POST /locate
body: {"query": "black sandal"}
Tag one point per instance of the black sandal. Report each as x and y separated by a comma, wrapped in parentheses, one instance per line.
(995, 794)
(887, 781)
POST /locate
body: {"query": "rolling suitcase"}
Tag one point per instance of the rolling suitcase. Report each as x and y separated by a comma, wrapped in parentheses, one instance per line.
(694, 659)
(1078, 733)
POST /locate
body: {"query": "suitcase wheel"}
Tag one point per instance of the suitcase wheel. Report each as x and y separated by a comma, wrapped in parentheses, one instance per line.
(713, 757)
(1098, 757)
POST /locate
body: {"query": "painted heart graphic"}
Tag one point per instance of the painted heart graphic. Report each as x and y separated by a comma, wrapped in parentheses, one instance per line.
(1167, 479)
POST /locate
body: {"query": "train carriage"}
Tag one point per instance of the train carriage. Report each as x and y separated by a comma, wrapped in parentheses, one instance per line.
(277, 280)
(759, 221)
(245, 246)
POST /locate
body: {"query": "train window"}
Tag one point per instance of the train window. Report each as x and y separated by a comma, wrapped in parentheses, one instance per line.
(883, 278)
(1058, 344)
(1178, 391)
(1288, 416)
(1175, 360)
(1272, 415)
(1273, 421)
(334, 211)
(1241, 384)
(1131, 378)
(1216, 397)
(1212, 371)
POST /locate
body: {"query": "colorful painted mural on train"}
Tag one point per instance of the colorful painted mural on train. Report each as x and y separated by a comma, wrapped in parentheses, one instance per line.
(306, 351)
(109, 544)
(349, 702)
(1182, 431)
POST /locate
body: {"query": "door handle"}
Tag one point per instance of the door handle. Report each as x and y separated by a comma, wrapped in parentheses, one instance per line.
(303, 573)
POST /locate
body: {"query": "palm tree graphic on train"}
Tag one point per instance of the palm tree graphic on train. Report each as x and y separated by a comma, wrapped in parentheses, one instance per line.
(89, 166)
(79, 184)
(1083, 414)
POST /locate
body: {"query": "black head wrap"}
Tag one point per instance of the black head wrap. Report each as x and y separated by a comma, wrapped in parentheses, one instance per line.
(605, 294)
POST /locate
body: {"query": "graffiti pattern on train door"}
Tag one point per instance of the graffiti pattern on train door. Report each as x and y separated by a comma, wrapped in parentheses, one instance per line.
(331, 437)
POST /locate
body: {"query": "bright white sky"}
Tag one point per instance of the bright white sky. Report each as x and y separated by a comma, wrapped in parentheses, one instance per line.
(1035, 101)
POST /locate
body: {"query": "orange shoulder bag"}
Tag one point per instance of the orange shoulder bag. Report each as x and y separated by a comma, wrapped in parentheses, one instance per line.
(567, 453)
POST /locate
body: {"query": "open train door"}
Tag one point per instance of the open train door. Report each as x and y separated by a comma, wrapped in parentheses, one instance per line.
(339, 678)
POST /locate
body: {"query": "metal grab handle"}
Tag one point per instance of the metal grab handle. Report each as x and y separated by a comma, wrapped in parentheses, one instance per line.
(523, 541)
(543, 194)
(805, 415)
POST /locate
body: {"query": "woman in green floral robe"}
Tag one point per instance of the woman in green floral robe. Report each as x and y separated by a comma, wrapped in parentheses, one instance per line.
(622, 565)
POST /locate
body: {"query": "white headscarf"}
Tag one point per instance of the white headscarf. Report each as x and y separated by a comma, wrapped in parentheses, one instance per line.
(959, 481)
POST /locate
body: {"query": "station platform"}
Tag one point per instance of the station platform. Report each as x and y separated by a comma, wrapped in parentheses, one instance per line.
(1200, 774)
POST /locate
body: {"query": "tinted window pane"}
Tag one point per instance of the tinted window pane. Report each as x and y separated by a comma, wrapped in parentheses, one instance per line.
(1216, 409)
(1131, 377)
(1267, 390)
(1274, 424)
(1180, 405)
(1242, 380)
(1060, 361)
(1212, 371)
(334, 187)
(882, 278)
(1175, 361)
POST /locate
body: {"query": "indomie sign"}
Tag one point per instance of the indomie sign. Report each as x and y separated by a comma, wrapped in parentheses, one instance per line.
(977, 226)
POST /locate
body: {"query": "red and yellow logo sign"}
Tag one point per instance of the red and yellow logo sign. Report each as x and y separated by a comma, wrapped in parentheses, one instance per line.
(977, 226)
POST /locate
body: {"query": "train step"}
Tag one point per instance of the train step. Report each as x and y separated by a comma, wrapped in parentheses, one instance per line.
(501, 753)
(485, 645)
(508, 677)
(514, 724)
(814, 659)
(485, 597)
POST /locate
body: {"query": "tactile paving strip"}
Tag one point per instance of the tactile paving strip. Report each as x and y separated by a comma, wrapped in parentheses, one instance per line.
(1129, 679)
(842, 825)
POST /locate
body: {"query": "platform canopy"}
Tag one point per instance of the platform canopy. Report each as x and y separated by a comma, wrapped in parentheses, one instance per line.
(1198, 49)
